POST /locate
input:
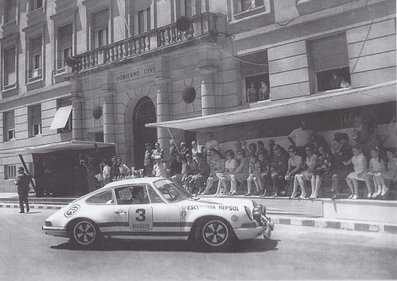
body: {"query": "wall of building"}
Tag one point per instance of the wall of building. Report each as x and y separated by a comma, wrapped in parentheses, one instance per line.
(372, 52)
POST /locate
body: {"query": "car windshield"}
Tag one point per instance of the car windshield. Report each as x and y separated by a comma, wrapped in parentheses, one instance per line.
(170, 191)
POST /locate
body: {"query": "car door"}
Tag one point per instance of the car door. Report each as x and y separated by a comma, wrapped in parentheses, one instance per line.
(166, 216)
(133, 211)
(101, 208)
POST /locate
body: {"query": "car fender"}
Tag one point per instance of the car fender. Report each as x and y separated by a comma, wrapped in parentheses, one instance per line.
(234, 214)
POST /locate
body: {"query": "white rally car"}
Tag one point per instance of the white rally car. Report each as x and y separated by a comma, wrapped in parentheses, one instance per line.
(155, 208)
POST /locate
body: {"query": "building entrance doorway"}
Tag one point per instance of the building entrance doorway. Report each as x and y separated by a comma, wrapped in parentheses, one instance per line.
(144, 113)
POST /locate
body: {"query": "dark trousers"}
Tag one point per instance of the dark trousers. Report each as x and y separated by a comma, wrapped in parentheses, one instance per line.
(149, 170)
(278, 181)
(23, 198)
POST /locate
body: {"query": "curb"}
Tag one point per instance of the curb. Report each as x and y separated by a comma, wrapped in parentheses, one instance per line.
(336, 224)
(32, 206)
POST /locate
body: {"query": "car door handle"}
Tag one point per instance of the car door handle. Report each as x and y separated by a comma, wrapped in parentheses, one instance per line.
(119, 212)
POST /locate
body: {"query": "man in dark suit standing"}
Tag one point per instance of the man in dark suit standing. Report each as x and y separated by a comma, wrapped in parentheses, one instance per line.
(22, 182)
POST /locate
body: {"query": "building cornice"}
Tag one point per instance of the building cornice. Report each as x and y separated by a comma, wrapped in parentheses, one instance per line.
(56, 91)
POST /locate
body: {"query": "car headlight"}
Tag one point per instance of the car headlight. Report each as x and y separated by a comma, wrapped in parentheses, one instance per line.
(248, 212)
(47, 223)
(257, 213)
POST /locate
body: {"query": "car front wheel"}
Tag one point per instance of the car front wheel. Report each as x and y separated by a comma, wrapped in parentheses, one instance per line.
(85, 233)
(214, 234)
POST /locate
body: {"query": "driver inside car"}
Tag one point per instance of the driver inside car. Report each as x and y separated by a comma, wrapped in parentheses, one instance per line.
(139, 195)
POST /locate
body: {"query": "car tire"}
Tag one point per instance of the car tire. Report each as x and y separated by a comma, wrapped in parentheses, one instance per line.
(214, 234)
(85, 233)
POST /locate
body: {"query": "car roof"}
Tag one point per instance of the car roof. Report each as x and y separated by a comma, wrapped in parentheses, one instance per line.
(133, 181)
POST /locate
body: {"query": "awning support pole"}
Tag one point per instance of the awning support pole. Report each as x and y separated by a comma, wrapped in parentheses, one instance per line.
(172, 137)
(27, 171)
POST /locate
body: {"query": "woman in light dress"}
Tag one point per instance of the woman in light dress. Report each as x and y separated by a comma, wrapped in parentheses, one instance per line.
(359, 174)
(230, 167)
(377, 167)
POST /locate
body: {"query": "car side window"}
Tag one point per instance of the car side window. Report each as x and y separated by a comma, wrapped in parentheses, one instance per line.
(154, 197)
(104, 197)
(132, 195)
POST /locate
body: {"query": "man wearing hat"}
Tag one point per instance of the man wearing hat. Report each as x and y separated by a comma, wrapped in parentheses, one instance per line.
(22, 182)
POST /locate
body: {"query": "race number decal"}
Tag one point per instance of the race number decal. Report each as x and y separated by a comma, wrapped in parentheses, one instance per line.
(72, 210)
(141, 218)
(141, 214)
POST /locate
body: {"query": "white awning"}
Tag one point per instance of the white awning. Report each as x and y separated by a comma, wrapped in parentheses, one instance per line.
(332, 100)
(61, 117)
(64, 146)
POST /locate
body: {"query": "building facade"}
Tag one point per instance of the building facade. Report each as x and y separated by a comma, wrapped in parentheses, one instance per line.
(121, 73)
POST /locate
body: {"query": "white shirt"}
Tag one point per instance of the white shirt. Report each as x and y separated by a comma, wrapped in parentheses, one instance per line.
(301, 137)
(106, 172)
(231, 165)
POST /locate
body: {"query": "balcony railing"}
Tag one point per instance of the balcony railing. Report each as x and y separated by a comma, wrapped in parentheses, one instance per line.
(202, 25)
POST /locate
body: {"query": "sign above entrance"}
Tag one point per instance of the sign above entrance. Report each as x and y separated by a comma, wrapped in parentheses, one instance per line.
(135, 73)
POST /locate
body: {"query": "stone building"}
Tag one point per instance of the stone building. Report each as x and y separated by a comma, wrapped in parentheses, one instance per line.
(148, 79)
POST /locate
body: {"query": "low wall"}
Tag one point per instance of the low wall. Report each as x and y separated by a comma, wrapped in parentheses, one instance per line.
(363, 210)
(379, 211)
(286, 206)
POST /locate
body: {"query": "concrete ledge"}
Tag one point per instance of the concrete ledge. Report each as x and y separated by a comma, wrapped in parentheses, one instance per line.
(364, 210)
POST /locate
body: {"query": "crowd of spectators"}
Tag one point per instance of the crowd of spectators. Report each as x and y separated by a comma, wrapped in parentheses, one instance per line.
(309, 168)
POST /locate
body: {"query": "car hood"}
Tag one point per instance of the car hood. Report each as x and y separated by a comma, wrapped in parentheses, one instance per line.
(221, 201)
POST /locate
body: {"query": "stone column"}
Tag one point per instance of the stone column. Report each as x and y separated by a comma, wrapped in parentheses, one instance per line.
(207, 91)
(77, 119)
(108, 119)
(163, 113)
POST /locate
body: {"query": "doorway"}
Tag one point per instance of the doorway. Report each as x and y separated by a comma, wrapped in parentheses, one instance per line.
(144, 113)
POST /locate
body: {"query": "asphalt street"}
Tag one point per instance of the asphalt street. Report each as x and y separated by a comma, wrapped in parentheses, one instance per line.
(293, 253)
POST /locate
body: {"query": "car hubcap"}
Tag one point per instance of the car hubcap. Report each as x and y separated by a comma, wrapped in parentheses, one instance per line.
(84, 233)
(215, 233)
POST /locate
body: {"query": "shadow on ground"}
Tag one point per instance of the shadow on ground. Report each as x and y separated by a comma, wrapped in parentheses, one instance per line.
(171, 246)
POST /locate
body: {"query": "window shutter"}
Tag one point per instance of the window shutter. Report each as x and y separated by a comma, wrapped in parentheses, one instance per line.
(36, 114)
(329, 52)
(101, 20)
(9, 67)
(9, 120)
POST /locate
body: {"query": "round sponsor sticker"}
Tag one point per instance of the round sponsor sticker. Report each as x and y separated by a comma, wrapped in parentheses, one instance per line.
(234, 218)
(72, 210)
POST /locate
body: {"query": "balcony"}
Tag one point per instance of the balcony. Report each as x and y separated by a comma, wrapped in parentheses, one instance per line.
(204, 26)
(10, 28)
(36, 16)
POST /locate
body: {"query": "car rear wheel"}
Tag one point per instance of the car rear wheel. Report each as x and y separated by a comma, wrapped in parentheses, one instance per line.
(85, 233)
(214, 234)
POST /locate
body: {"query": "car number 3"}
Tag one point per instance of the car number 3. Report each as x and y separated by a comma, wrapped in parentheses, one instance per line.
(141, 214)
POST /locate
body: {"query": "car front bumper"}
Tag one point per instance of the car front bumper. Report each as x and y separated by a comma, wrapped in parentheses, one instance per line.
(249, 233)
(55, 231)
(256, 230)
